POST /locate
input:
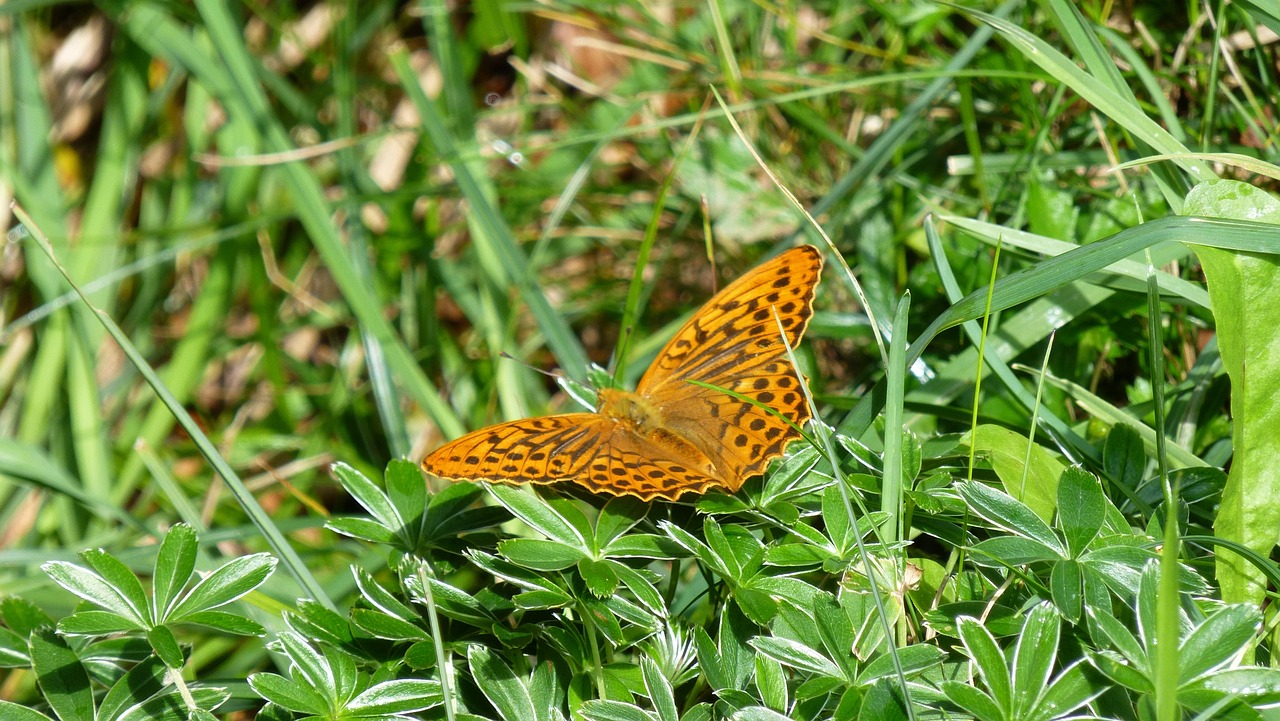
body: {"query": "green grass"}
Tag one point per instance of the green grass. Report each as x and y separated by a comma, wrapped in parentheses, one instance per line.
(1042, 356)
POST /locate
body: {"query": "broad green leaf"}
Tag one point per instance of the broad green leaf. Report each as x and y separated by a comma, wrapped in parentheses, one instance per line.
(13, 712)
(225, 622)
(973, 700)
(1065, 587)
(368, 495)
(1218, 641)
(796, 655)
(605, 710)
(1014, 551)
(1070, 690)
(96, 623)
(1244, 288)
(1123, 457)
(165, 644)
(1026, 470)
(600, 577)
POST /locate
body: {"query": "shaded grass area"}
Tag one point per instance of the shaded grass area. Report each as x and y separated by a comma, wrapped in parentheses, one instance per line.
(322, 230)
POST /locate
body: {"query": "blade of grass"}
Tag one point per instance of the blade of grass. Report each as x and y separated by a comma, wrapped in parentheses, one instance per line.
(493, 229)
(279, 544)
(236, 82)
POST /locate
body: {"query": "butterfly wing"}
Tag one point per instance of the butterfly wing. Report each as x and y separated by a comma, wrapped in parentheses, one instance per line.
(585, 448)
(533, 450)
(733, 342)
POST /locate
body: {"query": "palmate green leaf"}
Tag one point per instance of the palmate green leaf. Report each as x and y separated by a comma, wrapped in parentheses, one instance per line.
(540, 555)
(228, 583)
(1123, 457)
(1005, 512)
(1258, 686)
(120, 578)
(13, 650)
(1013, 551)
(614, 711)
(165, 645)
(14, 712)
(225, 622)
(973, 700)
(175, 562)
(381, 625)
(758, 713)
(382, 599)
(399, 696)
(308, 665)
(697, 548)
(318, 622)
(797, 655)
(507, 692)
(525, 504)
(644, 545)
(296, 697)
(172, 707)
(93, 588)
(659, 691)
(96, 623)
(1081, 508)
(1217, 641)
(619, 515)
(23, 616)
(1066, 584)
(62, 677)
(599, 576)
(987, 660)
(361, 528)
(1033, 658)
(1068, 691)
(369, 496)
(771, 683)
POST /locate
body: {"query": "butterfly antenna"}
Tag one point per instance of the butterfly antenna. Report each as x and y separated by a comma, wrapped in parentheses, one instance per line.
(549, 374)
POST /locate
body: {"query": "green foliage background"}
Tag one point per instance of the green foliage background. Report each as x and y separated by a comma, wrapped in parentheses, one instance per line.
(308, 234)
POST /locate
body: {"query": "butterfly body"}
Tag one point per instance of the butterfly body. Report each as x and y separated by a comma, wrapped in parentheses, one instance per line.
(671, 436)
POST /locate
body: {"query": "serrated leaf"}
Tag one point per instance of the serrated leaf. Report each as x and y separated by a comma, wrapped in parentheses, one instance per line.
(228, 583)
(175, 561)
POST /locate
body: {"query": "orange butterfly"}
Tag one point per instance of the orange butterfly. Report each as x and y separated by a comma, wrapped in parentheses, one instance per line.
(670, 436)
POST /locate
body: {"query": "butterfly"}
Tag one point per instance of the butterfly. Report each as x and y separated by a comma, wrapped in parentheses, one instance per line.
(671, 436)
